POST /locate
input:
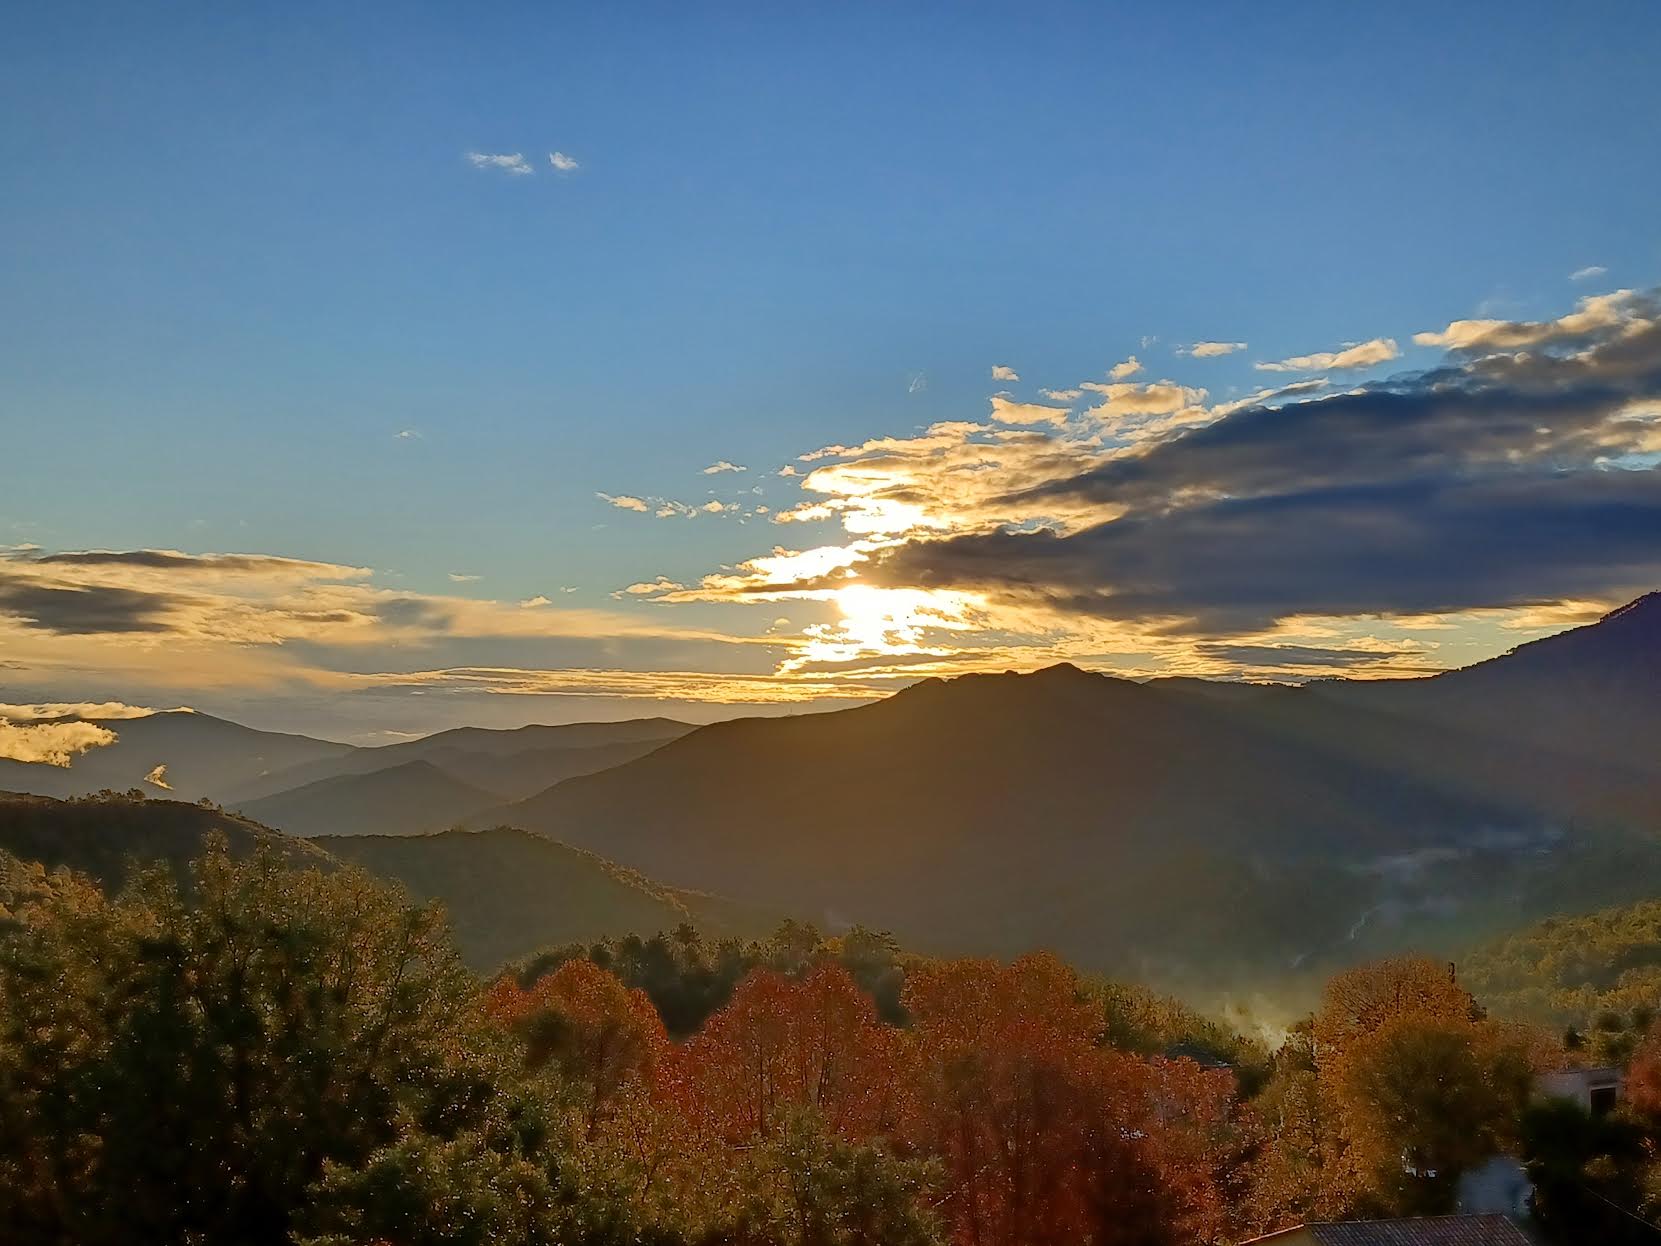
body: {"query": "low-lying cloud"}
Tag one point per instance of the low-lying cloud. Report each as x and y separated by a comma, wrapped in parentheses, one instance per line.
(51, 743)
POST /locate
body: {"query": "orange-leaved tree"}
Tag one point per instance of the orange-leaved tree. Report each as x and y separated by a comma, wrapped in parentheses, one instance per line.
(784, 1043)
(1046, 1135)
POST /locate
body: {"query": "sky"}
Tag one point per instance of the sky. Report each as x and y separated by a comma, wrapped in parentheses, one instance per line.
(367, 370)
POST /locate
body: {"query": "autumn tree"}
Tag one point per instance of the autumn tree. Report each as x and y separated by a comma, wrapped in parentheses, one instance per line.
(598, 1034)
(1047, 1136)
(1416, 1085)
(816, 1043)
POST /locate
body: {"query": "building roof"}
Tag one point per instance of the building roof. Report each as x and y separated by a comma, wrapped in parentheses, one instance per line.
(1429, 1231)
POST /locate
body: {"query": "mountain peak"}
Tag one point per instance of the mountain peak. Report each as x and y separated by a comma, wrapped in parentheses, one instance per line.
(1064, 670)
(1638, 607)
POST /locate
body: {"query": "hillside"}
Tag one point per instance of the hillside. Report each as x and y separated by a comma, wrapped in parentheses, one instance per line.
(103, 838)
(1592, 693)
(508, 892)
(1168, 830)
(401, 800)
(1565, 970)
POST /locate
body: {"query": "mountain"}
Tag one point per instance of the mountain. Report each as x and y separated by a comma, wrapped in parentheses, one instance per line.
(1166, 829)
(400, 800)
(1566, 970)
(511, 763)
(509, 893)
(203, 756)
(103, 838)
(1591, 692)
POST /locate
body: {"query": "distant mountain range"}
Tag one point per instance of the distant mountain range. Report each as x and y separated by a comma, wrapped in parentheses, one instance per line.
(1184, 831)
(201, 756)
(407, 799)
(1173, 828)
(318, 787)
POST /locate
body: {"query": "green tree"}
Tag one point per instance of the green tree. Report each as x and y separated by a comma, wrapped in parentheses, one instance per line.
(177, 1068)
(807, 1187)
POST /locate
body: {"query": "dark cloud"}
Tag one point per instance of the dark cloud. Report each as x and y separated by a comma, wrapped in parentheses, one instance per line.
(1292, 657)
(173, 560)
(1510, 480)
(1373, 549)
(84, 609)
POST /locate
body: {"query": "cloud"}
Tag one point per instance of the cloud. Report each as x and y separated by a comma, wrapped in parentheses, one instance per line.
(716, 468)
(51, 743)
(1263, 397)
(708, 687)
(158, 778)
(84, 609)
(1192, 536)
(1355, 355)
(1003, 372)
(1298, 658)
(563, 162)
(1588, 273)
(1595, 316)
(457, 577)
(174, 562)
(663, 584)
(1153, 398)
(1506, 481)
(75, 709)
(1418, 547)
(513, 164)
(1129, 367)
(1210, 350)
(532, 603)
(408, 434)
(1133, 411)
(1006, 410)
(1062, 395)
(625, 501)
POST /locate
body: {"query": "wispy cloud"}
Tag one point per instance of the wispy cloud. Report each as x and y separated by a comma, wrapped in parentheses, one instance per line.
(563, 162)
(1354, 355)
(1588, 273)
(407, 434)
(457, 577)
(1129, 367)
(512, 163)
(1210, 350)
(1003, 372)
(722, 465)
(625, 501)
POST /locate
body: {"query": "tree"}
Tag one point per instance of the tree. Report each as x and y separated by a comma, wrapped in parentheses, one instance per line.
(598, 1034)
(808, 1187)
(1418, 1087)
(173, 1069)
(1047, 1136)
(816, 1043)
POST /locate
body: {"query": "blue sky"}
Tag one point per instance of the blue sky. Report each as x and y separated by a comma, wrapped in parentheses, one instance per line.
(243, 251)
